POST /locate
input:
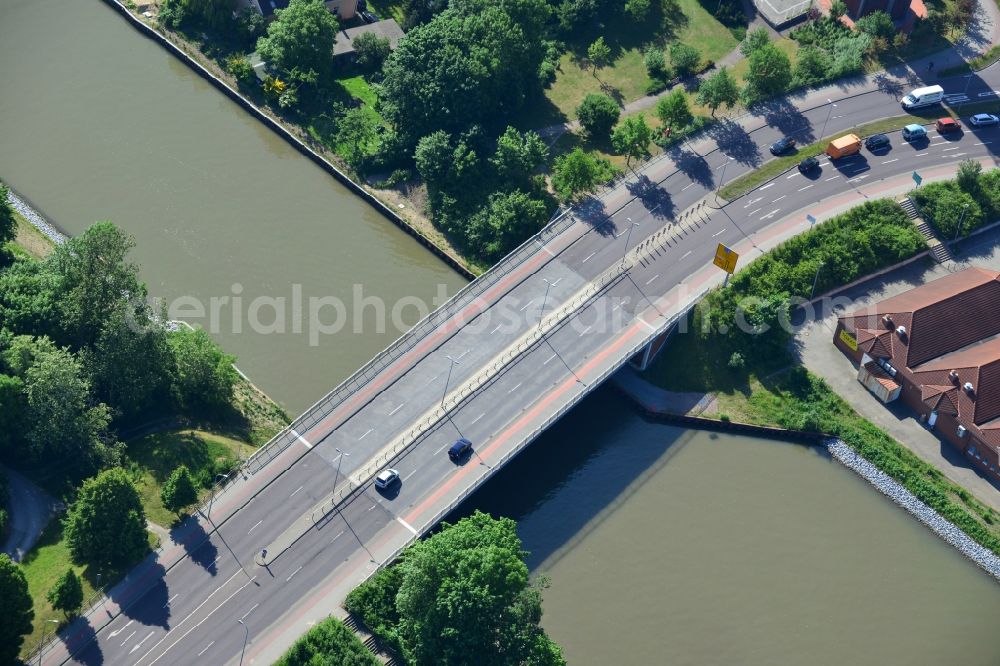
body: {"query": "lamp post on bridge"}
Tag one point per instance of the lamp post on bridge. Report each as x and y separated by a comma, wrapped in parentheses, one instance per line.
(246, 637)
(628, 239)
(545, 298)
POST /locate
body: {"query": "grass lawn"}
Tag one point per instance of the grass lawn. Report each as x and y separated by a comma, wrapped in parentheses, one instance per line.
(29, 241)
(625, 79)
(43, 566)
(385, 9)
(156, 456)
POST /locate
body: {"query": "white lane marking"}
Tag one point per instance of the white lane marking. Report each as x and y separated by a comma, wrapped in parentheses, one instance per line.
(372, 507)
(525, 306)
(337, 537)
(293, 573)
(477, 418)
(851, 180)
(686, 186)
(409, 475)
(139, 644)
(891, 161)
(191, 614)
(253, 608)
(982, 143)
(718, 232)
(831, 178)
(921, 154)
(779, 198)
(771, 214)
(765, 187)
(296, 490)
(792, 176)
(214, 562)
(118, 631)
(399, 407)
(956, 155)
(752, 202)
(516, 387)
(127, 638)
(546, 362)
(206, 648)
(367, 432)
(496, 329)
(589, 257)
(441, 449)
(686, 254)
(617, 305)
(721, 166)
(648, 325)
(301, 439)
(590, 327)
(543, 247)
(178, 594)
(406, 524)
(754, 212)
(256, 526)
(803, 189)
(436, 376)
(947, 149)
(647, 284)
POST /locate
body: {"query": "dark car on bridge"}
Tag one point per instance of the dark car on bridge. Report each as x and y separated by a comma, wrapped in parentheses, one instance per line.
(808, 164)
(460, 449)
(782, 146)
(877, 142)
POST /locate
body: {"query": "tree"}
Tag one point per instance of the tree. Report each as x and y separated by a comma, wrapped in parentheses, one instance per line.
(328, 643)
(769, 73)
(968, 176)
(754, 41)
(371, 51)
(673, 111)
(356, 127)
(656, 64)
(578, 172)
(598, 54)
(638, 10)
(67, 594)
(13, 409)
(506, 221)
(684, 58)
(517, 155)
(598, 114)
(63, 424)
(631, 137)
(16, 612)
(433, 158)
(300, 39)
(813, 66)
(8, 225)
(205, 375)
(876, 24)
(178, 491)
(416, 12)
(106, 523)
(837, 9)
(717, 90)
(466, 591)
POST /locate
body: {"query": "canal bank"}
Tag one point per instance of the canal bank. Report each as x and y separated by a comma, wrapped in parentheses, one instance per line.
(110, 126)
(666, 545)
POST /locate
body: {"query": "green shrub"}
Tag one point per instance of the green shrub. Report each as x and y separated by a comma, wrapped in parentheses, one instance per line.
(329, 643)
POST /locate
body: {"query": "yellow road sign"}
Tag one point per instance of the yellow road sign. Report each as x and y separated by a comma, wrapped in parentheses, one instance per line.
(725, 258)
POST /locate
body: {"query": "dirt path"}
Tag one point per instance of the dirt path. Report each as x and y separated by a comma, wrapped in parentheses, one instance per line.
(29, 509)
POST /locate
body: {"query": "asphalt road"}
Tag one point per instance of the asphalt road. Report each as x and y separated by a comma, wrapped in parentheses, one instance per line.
(189, 613)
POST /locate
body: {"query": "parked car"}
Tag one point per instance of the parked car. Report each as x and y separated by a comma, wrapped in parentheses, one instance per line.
(808, 164)
(460, 449)
(945, 125)
(914, 132)
(877, 142)
(984, 119)
(923, 97)
(386, 478)
(782, 145)
(368, 17)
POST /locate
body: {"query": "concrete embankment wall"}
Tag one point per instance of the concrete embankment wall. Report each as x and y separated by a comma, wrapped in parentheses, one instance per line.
(21, 205)
(295, 142)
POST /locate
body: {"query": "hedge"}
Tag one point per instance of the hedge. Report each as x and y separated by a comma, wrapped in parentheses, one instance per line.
(329, 643)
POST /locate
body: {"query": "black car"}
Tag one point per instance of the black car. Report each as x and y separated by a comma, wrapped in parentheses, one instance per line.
(782, 145)
(808, 164)
(459, 449)
(876, 142)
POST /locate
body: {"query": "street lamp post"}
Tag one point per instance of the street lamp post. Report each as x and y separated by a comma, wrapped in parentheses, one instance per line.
(336, 476)
(447, 380)
(214, 485)
(722, 178)
(627, 240)
(41, 648)
(965, 93)
(958, 229)
(246, 637)
(545, 298)
(815, 280)
(829, 113)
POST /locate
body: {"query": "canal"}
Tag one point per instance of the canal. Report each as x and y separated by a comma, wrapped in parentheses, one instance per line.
(98, 122)
(670, 546)
(663, 546)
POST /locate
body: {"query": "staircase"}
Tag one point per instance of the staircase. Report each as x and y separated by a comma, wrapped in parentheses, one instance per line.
(940, 251)
(381, 652)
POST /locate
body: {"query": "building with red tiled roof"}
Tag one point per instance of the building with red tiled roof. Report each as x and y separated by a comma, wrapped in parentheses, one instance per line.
(937, 347)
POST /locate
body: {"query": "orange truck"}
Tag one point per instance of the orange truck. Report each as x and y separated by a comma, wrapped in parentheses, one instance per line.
(844, 146)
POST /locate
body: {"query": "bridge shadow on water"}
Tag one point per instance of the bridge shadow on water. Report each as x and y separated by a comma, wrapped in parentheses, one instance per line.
(573, 476)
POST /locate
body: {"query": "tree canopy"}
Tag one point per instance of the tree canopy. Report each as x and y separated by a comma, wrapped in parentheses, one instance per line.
(673, 110)
(106, 523)
(178, 490)
(205, 374)
(8, 225)
(300, 38)
(769, 73)
(579, 172)
(16, 611)
(719, 89)
(67, 594)
(598, 114)
(632, 136)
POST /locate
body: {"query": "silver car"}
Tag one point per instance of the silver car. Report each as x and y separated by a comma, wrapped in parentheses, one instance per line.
(386, 478)
(984, 119)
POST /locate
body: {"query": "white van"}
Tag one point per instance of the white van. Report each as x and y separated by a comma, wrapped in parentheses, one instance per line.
(923, 97)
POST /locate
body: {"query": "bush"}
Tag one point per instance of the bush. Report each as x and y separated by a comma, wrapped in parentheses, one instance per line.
(656, 64)
(598, 114)
(955, 210)
(240, 68)
(684, 58)
(329, 643)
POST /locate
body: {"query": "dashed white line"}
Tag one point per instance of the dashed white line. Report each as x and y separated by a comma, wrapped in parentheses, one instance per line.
(525, 306)
(779, 198)
(851, 180)
(254, 607)
(771, 214)
(982, 143)
(803, 189)
(296, 490)
(947, 149)
(406, 525)
(647, 284)
(139, 644)
(589, 257)
(752, 202)
(473, 422)
(516, 387)
(301, 439)
(398, 407)
(129, 637)
(367, 432)
(754, 212)
(716, 234)
(293, 573)
(922, 154)
(546, 362)
(956, 155)
(791, 176)
(896, 159)
(765, 187)
(256, 525)
(686, 186)
(409, 475)
(436, 376)
(684, 256)
(372, 507)
(337, 537)
(831, 178)
(178, 594)
(496, 329)
(206, 648)
(118, 631)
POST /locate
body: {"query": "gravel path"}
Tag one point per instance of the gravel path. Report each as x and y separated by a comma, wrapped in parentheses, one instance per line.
(983, 557)
(32, 216)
